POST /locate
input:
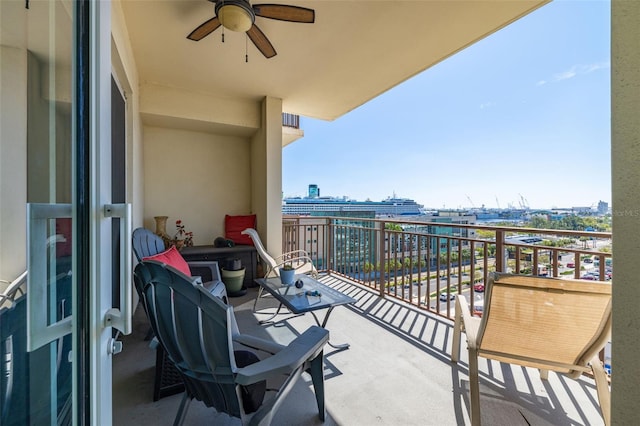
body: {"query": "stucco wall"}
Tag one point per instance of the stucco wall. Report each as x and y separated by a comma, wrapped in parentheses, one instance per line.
(625, 179)
(125, 72)
(196, 177)
(13, 162)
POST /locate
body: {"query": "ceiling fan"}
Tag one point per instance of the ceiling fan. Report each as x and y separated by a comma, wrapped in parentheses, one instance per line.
(240, 16)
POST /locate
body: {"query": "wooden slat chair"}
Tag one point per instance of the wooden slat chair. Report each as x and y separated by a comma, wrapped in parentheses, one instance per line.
(545, 323)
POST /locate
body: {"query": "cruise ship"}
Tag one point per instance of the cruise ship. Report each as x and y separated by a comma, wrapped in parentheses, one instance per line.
(314, 204)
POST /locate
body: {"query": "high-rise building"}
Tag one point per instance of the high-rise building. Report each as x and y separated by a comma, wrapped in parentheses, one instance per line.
(603, 208)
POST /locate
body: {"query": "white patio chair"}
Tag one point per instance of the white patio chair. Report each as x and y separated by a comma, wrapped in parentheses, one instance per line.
(299, 259)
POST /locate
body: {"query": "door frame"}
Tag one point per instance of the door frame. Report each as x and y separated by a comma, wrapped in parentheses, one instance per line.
(93, 343)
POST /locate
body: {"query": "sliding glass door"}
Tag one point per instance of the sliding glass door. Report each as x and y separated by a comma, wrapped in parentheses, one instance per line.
(57, 319)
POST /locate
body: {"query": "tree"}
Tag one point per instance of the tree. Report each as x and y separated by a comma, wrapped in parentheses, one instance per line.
(408, 264)
(393, 227)
(485, 234)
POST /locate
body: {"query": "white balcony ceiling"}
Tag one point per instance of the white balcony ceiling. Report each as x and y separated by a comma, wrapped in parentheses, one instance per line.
(354, 51)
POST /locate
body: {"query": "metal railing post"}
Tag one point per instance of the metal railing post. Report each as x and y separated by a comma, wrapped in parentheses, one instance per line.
(330, 244)
(500, 251)
(381, 245)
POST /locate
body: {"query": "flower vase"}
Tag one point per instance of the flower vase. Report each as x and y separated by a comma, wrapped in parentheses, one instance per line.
(161, 230)
(179, 244)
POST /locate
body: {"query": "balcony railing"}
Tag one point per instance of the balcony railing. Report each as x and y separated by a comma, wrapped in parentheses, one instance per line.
(290, 120)
(426, 263)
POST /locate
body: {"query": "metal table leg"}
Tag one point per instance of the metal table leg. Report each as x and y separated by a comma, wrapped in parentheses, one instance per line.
(341, 346)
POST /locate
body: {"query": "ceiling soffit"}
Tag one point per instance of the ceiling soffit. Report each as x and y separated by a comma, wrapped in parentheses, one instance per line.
(353, 52)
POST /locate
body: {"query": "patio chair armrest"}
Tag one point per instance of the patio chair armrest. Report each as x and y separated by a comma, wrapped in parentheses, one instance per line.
(469, 322)
(257, 343)
(305, 347)
(292, 256)
(14, 287)
(295, 261)
(204, 268)
(295, 253)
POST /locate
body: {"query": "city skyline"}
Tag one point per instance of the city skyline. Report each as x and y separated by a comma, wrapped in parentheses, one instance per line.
(523, 114)
(396, 196)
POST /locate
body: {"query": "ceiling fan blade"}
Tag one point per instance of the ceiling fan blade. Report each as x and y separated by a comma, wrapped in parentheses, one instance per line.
(205, 29)
(283, 12)
(261, 41)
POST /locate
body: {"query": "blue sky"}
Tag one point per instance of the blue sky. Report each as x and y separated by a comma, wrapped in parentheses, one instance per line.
(522, 114)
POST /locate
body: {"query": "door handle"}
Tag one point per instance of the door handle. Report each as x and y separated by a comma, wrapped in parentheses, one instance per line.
(42, 326)
(121, 319)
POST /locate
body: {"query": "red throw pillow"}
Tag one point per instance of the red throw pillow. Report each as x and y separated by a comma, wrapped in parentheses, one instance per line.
(63, 242)
(234, 225)
(172, 257)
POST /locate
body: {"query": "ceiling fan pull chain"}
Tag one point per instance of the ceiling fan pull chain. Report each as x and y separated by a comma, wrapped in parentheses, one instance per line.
(223, 34)
(246, 51)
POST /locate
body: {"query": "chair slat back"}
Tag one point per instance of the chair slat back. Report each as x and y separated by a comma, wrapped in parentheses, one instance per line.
(541, 322)
(192, 326)
(146, 243)
(270, 261)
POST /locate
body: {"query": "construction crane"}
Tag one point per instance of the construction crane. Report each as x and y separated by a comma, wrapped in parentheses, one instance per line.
(523, 203)
(472, 205)
(497, 202)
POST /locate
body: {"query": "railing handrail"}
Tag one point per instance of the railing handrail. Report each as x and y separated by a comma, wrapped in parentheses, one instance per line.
(520, 230)
(500, 240)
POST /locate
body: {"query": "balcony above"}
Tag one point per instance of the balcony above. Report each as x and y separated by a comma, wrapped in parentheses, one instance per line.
(291, 130)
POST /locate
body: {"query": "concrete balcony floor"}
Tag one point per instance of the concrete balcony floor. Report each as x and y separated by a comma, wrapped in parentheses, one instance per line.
(396, 372)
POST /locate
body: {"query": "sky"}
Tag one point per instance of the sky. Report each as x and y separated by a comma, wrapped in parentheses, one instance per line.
(520, 117)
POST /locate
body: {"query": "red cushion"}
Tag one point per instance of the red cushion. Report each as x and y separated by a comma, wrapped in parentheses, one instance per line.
(234, 225)
(63, 244)
(172, 257)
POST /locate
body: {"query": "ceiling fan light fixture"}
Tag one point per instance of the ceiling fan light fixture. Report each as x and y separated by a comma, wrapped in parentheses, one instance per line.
(235, 16)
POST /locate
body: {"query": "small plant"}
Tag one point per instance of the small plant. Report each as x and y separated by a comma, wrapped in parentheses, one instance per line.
(287, 274)
(183, 234)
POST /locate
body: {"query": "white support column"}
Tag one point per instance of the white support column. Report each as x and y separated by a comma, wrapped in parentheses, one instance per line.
(266, 179)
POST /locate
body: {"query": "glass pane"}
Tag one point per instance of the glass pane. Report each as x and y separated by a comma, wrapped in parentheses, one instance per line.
(36, 84)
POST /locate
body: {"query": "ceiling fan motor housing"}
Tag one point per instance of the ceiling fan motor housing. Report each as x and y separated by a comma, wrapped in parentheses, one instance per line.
(240, 16)
(235, 15)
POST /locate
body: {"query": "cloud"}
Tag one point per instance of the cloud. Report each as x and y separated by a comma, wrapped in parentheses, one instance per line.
(565, 75)
(596, 66)
(487, 105)
(576, 70)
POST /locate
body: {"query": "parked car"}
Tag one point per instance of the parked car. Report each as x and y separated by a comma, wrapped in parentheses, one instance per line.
(571, 265)
(443, 297)
(478, 287)
(478, 308)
